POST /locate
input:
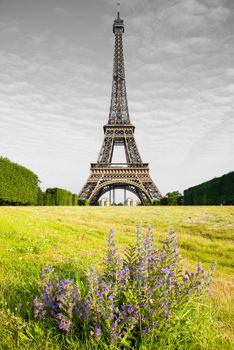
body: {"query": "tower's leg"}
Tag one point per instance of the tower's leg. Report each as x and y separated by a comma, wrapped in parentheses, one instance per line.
(106, 150)
(132, 150)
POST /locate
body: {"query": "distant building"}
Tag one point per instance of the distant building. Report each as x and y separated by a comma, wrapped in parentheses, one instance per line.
(131, 202)
(104, 202)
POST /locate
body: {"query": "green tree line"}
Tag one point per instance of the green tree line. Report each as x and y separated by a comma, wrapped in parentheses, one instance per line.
(171, 198)
(218, 191)
(59, 196)
(19, 186)
(214, 192)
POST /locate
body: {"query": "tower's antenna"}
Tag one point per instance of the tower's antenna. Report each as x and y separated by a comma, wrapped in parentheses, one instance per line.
(118, 9)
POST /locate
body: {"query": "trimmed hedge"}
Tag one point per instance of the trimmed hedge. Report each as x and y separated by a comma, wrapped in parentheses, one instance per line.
(49, 197)
(214, 192)
(59, 196)
(18, 185)
(74, 199)
(40, 197)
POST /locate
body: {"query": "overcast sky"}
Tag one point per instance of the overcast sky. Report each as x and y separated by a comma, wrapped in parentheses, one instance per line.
(56, 61)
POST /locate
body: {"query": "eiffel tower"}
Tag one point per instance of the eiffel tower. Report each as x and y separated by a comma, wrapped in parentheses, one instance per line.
(134, 174)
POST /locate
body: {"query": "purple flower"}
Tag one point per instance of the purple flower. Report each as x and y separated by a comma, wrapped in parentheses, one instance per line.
(126, 296)
(165, 304)
(64, 323)
(144, 331)
(39, 307)
(97, 332)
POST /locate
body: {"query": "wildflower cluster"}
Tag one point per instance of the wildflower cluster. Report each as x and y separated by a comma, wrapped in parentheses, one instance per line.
(137, 294)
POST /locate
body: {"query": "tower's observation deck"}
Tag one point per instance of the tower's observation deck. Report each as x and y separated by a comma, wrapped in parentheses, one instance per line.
(118, 24)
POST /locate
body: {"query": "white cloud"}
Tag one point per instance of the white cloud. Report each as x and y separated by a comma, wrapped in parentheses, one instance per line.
(193, 15)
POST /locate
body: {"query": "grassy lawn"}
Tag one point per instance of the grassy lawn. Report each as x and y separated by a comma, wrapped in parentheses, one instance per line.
(73, 238)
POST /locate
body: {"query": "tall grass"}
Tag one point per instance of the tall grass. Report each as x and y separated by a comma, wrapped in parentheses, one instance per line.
(73, 240)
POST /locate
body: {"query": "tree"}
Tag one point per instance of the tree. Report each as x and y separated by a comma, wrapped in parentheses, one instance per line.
(174, 198)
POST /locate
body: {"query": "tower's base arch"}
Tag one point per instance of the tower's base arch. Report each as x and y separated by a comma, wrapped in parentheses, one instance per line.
(136, 190)
(134, 178)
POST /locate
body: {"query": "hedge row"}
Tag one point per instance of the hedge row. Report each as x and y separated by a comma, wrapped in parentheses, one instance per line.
(18, 185)
(59, 196)
(214, 192)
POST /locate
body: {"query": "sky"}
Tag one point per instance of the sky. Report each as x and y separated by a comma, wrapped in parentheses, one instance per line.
(56, 61)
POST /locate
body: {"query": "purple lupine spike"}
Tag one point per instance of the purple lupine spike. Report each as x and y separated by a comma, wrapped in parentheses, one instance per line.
(97, 332)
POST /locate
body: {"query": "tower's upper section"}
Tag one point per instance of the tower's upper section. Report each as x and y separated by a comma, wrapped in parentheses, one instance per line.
(118, 23)
(119, 104)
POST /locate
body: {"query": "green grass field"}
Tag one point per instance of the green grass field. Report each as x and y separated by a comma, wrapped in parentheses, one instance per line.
(73, 238)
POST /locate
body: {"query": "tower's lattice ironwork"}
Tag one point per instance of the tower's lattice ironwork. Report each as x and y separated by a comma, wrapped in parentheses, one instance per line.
(134, 174)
